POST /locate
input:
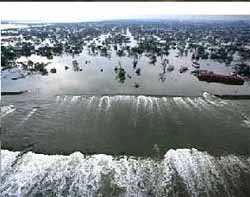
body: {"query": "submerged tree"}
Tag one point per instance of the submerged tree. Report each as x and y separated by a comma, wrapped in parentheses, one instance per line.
(121, 73)
(242, 69)
(8, 55)
(153, 59)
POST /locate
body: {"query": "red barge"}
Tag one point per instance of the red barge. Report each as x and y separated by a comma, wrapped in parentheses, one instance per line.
(204, 75)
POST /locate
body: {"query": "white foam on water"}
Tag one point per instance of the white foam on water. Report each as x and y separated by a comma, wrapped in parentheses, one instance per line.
(156, 101)
(186, 171)
(27, 117)
(65, 99)
(207, 95)
(165, 104)
(124, 98)
(75, 99)
(5, 110)
(151, 103)
(246, 122)
(119, 98)
(108, 103)
(217, 104)
(203, 174)
(223, 102)
(58, 98)
(214, 100)
(141, 99)
(202, 103)
(181, 101)
(165, 100)
(194, 103)
(90, 102)
(101, 102)
(30, 114)
(147, 102)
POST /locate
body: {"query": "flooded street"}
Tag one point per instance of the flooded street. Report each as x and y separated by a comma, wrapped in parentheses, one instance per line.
(103, 114)
(98, 76)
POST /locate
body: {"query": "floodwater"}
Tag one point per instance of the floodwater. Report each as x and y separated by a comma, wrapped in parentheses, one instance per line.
(182, 172)
(100, 78)
(115, 124)
(174, 136)
(14, 26)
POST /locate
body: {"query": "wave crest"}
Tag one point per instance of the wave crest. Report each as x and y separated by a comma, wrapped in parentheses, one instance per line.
(182, 172)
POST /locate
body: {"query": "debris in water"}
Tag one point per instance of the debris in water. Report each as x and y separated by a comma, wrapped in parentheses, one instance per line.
(13, 93)
(5, 110)
(76, 66)
(44, 72)
(135, 63)
(136, 85)
(138, 71)
(170, 68)
(121, 73)
(183, 69)
(53, 70)
(204, 75)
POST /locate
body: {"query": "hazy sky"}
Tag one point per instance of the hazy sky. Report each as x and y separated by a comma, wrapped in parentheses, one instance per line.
(87, 11)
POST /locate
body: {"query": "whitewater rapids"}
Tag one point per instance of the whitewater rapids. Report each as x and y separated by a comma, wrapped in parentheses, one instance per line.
(182, 172)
